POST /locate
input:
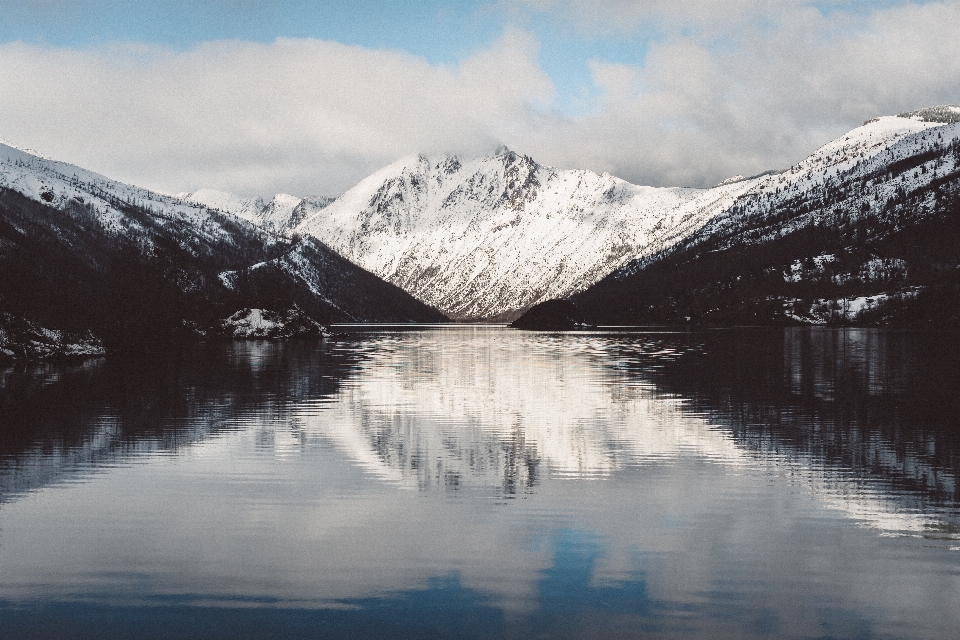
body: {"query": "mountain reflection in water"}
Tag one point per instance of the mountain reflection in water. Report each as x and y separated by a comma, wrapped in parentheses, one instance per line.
(492, 482)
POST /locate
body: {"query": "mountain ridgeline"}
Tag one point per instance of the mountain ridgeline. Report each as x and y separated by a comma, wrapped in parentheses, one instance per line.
(862, 231)
(487, 239)
(866, 230)
(80, 252)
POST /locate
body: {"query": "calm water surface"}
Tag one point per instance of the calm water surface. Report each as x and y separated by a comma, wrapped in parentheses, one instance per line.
(483, 482)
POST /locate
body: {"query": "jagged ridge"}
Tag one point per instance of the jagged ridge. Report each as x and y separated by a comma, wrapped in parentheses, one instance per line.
(491, 237)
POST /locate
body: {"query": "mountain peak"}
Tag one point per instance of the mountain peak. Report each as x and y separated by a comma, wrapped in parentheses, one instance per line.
(486, 237)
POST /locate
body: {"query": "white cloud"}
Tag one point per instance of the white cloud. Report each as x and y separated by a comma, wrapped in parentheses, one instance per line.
(299, 115)
(754, 86)
(755, 94)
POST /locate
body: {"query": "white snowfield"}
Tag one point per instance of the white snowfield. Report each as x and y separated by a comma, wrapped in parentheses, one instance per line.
(484, 238)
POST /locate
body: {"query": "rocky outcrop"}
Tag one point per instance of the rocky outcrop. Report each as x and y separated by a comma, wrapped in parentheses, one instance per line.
(267, 324)
(22, 340)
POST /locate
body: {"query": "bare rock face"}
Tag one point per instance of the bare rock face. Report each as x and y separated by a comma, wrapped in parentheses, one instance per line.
(552, 315)
(267, 324)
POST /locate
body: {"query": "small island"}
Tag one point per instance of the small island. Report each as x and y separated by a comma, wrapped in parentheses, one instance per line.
(552, 315)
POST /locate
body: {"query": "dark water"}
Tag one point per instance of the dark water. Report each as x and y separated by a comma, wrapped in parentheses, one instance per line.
(482, 482)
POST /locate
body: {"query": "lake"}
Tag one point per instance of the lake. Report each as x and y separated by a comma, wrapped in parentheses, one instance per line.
(482, 482)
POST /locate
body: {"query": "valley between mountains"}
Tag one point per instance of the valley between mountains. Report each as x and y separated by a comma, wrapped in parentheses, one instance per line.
(866, 230)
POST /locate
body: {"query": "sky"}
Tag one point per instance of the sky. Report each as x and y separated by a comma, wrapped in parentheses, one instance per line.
(259, 96)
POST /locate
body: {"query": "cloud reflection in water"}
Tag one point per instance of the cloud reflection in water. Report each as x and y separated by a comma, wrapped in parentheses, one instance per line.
(698, 484)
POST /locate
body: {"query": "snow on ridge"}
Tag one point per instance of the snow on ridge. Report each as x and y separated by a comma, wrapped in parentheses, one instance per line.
(278, 215)
(55, 183)
(246, 208)
(855, 164)
(26, 150)
(482, 237)
(65, 187)
(731, 180)
(944, 114)
(11, 154)
(60, 185)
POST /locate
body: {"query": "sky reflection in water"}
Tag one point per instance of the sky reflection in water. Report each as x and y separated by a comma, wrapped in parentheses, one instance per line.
(483, 482)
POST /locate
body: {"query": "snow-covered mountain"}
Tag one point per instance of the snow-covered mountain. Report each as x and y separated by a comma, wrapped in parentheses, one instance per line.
(861, 230)
(67, 187)
(79, 250)
(490, 237)
(279, 215)
(248, 208)
(853, 167)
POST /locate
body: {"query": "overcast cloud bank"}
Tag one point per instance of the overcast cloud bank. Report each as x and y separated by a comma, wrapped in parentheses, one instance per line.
(720, 92)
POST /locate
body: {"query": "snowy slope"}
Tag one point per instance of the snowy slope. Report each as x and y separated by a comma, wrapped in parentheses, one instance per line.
(247, 208)
(861, 230)
(859, 155)
(87, 218)
(58, 184)
(275, 215)
(489, 237)
(343, 291)
(279, 215)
